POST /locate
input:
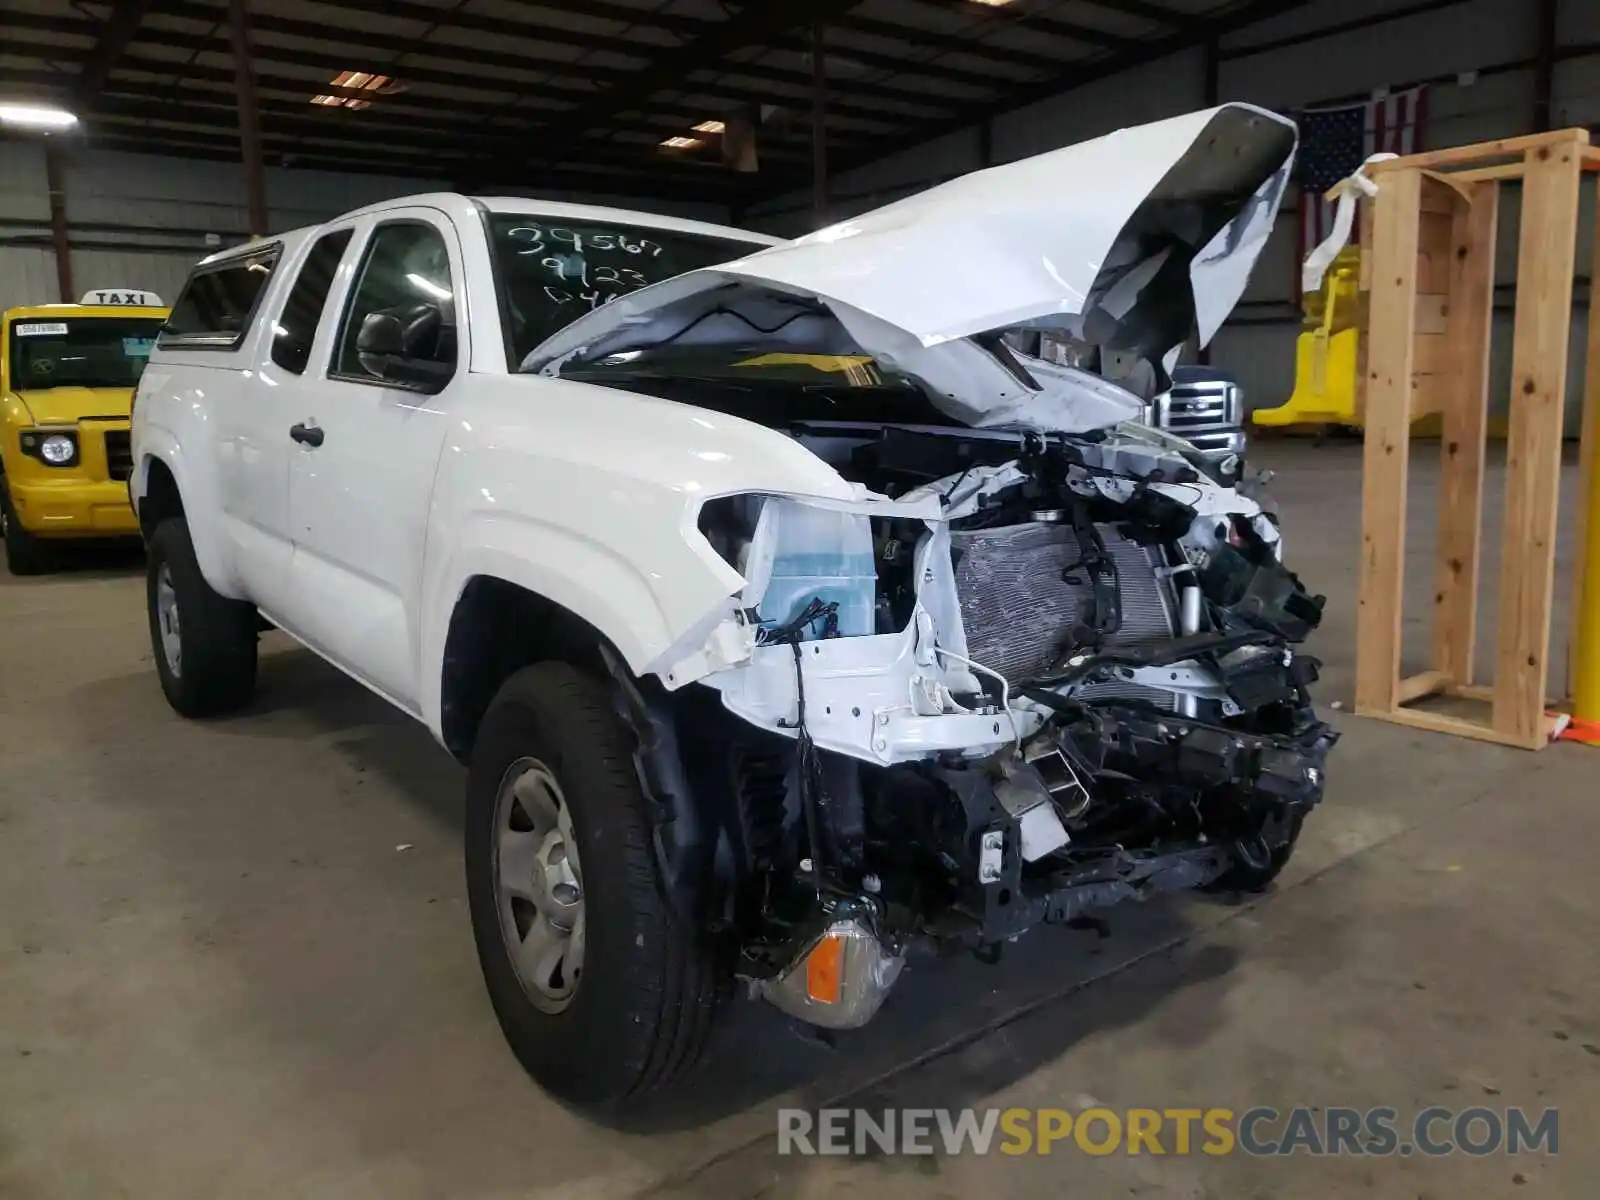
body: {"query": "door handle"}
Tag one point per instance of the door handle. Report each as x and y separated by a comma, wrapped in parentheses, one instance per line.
(307, 435)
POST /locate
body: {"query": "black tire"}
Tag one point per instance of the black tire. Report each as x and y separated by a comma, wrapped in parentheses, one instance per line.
(216, 669)
(25, 553)
(1256, 865)
(643, 1004)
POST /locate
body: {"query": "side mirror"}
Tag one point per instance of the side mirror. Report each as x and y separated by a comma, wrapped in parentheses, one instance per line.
(403, 345)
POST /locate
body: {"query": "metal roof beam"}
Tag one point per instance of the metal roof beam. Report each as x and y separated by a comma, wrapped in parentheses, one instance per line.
(454, 157)
(972, 47)
(1104, 68)
(1156, 14)
(1082, 33)
(520, 59)
(753, 26)
(118, 30)
(573, 92)
(312, 134)
(225, 149)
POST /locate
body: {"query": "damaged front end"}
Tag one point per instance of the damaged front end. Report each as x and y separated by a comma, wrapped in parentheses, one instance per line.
(1056, 674)
(1026, 656)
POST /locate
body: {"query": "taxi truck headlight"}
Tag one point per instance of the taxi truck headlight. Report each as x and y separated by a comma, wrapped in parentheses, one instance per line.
(52, 449)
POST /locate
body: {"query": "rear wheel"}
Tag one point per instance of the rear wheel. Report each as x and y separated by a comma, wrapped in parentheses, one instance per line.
(204, 644)
(25, 554)
(602, 992)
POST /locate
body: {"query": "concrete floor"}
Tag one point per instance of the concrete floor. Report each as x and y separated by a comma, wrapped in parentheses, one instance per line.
(235, 960)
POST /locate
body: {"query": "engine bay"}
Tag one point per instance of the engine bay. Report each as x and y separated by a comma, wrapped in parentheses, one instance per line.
(1025, 675)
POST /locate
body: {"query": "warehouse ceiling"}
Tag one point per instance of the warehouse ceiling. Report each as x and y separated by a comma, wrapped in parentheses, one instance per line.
(649, 97)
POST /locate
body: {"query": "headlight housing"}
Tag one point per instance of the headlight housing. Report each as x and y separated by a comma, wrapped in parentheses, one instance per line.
(54, 448)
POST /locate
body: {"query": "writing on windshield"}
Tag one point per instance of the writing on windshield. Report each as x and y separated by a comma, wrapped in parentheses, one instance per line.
(551, 272)
(588, 267)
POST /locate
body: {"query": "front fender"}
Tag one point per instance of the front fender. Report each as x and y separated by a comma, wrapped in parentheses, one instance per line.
(590, 580)
(202, 506)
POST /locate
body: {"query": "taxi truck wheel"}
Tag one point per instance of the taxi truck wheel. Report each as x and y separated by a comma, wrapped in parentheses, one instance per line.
(25, 554)
(204, 644)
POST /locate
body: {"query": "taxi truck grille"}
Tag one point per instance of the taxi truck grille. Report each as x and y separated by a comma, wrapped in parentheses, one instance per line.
(119, 454)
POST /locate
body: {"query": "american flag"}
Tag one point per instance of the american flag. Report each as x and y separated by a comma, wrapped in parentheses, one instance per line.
(1335, 141)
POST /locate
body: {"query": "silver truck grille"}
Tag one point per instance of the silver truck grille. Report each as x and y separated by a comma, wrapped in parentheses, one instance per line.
(1018, 610)
(1196, 412)
(1198, 403)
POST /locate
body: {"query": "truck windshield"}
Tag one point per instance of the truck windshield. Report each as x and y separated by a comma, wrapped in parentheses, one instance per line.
(550, 272)
(108, 352)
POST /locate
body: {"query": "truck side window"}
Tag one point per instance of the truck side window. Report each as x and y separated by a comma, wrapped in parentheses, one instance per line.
(407, 271)
(297, 324)
(214, 309)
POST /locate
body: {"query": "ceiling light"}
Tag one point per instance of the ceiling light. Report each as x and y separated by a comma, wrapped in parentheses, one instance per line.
(36, 116)
(992, 3)
(711, 127)
(680, 143)
(363, 81)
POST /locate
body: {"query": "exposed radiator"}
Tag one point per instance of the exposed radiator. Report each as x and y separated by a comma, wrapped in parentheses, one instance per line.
(1018, 609)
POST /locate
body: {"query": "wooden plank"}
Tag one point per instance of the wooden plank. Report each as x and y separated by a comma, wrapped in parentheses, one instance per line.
(1436, 202)
(1462, 727)
(1390, 358)
(1435, 188)
(1433, 313)
(1583, 674)
(1480, 152)
(1485, 693)
(1433, 354)
(1430, 394)
(1533, 444)
(1463, 435)
(1364, 217)
(1433, 267)
(1511, 170)
(1417, 686)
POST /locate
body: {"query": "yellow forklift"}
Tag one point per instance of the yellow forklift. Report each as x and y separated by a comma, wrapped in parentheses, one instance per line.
(1327, 353)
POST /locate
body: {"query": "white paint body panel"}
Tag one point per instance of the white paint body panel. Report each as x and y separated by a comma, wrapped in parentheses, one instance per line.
(589, 496)
(1032, 242)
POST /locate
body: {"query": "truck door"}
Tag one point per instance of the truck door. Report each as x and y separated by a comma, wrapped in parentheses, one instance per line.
(255, 474)
(365, 449)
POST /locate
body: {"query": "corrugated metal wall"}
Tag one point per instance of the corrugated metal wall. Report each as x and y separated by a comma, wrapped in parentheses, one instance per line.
(142, 221)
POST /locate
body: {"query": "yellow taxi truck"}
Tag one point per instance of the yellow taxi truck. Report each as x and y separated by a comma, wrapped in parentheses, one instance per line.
(67, 377)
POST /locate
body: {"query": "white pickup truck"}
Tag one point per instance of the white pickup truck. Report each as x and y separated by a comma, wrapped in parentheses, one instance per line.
(787, 619)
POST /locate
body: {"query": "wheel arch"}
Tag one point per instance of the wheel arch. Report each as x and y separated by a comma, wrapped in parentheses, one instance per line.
(496, 627)
(163, 487)
(577, 593)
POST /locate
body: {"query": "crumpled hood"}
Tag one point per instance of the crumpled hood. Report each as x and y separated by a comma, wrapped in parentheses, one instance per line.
(1131, 241)
(67, 405)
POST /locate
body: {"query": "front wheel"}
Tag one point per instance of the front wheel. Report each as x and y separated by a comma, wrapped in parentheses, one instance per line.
(204, 644)
(1258, 860)
(25, 553)
(602, 992)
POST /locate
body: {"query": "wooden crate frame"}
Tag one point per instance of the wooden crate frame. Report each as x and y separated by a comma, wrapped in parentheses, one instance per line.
(1430, 271)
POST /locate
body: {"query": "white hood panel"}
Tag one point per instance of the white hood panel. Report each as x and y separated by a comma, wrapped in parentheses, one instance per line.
(1075, 238)
(1027, 240)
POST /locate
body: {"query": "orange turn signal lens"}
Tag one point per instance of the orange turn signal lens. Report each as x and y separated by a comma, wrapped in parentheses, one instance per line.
(825, 969)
